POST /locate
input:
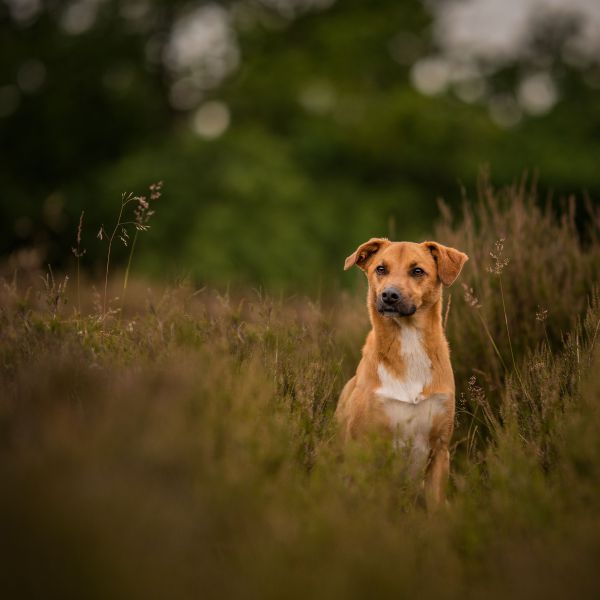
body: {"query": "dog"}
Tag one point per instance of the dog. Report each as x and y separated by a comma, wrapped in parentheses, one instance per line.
(404, 384)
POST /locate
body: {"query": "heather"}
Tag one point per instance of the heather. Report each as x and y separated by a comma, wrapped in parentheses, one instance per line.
(178, 441)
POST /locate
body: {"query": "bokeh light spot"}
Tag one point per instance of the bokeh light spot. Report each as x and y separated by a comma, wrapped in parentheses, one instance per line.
(430, 75)
(211, 120)
(537, 93)
(24, 12)
(78, 17)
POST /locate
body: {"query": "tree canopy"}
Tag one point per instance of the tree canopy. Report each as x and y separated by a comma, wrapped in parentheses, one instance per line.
(286, 131)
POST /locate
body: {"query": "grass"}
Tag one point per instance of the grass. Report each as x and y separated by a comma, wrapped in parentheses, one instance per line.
(183, 447)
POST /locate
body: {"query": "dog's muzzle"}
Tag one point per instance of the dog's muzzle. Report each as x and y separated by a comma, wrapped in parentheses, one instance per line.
(393, 304)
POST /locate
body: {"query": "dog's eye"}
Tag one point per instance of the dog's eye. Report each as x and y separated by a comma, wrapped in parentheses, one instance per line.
(380, 270)
(417, 272)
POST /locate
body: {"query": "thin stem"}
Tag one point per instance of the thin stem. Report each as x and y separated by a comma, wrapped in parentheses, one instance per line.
(78, 292)
(591, 351)
(448, 304)
(78, 255)
(474, 417)
(512, 354)
(473, 427)
(123, 223)
(106, 278)
(126, 279)
(110, 241)
(547, 338)
(485, 327)
(506, 322)
(471, 440)
(52, 292)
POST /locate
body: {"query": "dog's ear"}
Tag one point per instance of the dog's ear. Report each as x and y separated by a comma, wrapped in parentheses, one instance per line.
(363, 254)
(449, 261)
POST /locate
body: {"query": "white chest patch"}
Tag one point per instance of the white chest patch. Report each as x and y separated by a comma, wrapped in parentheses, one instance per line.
(417, 370)
(410, 413)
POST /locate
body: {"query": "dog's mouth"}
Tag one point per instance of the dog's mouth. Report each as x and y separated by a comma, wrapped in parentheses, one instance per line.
(397, 311)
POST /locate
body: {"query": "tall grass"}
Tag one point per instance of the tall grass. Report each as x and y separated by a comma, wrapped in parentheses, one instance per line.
(536, 290)
(187, 448)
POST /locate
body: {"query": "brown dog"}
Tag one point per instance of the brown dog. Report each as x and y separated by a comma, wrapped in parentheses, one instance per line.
(404, 383)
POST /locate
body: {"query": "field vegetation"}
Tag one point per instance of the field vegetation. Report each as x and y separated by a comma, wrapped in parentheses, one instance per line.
(178, 442)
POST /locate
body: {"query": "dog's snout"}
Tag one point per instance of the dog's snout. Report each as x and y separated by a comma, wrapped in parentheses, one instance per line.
(391, 301)
(390, 295)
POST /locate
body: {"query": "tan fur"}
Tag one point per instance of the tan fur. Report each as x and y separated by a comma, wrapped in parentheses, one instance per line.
(361, 407)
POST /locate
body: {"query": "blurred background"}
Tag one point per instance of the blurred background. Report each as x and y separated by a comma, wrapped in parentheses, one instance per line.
(285, 131)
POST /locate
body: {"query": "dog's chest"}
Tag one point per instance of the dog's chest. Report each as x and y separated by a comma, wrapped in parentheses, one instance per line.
(416, 374)
(410, 414)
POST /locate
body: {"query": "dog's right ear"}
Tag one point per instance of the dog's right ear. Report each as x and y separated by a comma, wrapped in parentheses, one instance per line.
(363, 254)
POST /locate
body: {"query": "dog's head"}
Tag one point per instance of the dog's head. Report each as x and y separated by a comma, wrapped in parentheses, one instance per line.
(405, 277)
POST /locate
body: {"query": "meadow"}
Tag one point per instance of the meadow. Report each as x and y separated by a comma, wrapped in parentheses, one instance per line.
(179, 442)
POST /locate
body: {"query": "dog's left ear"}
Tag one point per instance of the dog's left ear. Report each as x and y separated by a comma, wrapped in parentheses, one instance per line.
(449, 261)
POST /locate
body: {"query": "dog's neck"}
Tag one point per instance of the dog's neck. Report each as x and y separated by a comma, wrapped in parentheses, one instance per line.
(387, 330)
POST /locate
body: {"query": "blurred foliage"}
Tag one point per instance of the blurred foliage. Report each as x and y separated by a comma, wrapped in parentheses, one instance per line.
(328, 142)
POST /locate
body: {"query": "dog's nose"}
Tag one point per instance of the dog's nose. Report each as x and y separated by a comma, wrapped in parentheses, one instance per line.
(390, 295)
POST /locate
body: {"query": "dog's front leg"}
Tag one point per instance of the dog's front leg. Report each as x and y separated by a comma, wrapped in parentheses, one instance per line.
(436, 477)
